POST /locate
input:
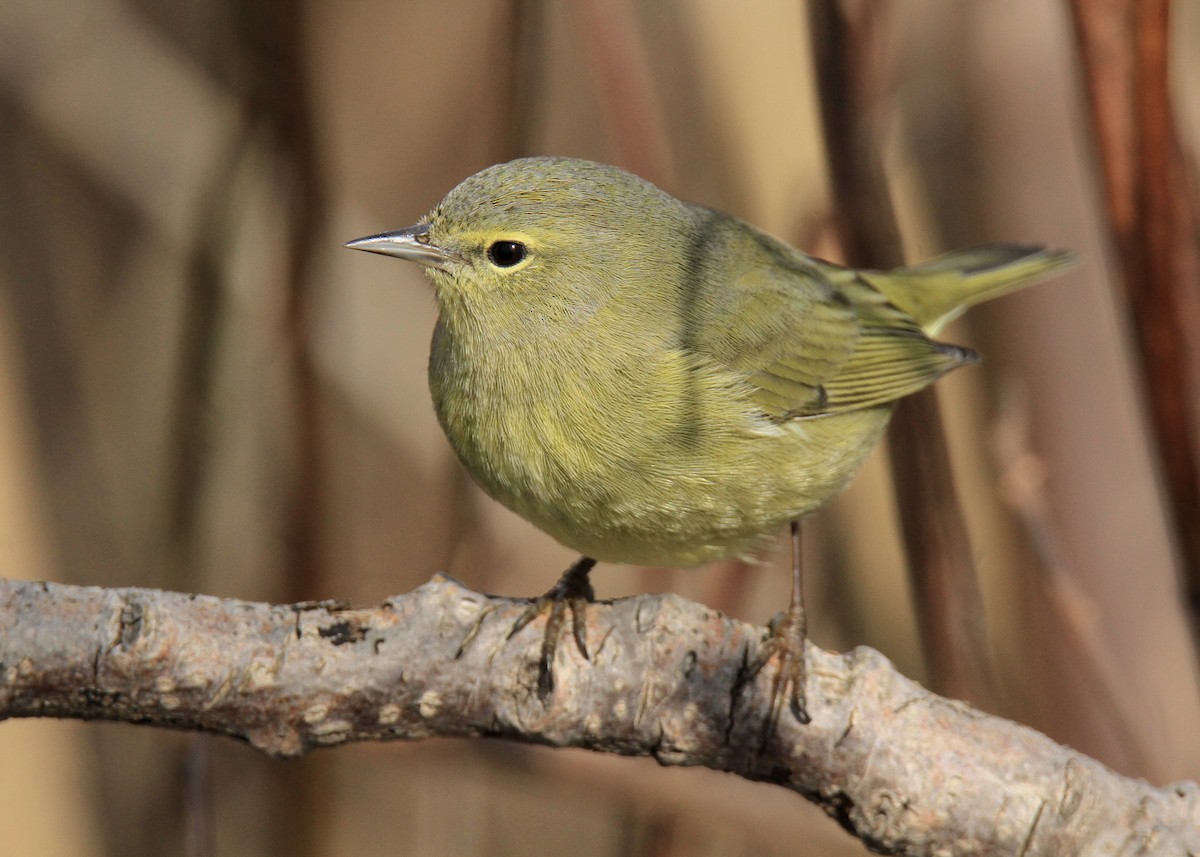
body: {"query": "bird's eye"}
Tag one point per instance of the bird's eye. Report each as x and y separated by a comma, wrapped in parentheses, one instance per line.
(505, 254)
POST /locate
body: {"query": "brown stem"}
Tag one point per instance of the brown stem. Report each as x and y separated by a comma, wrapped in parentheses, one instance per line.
(940, 563)
(1151, 205)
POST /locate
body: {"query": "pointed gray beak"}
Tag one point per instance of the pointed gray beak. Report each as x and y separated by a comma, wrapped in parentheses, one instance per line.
(411, 243)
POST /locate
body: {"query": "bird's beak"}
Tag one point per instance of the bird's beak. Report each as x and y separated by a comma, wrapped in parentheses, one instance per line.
(411, 243)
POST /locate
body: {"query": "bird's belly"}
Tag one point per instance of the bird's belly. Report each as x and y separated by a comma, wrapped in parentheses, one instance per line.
(626, 491)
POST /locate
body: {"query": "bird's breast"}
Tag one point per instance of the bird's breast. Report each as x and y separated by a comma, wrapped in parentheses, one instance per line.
(537, 423)
(650, 458)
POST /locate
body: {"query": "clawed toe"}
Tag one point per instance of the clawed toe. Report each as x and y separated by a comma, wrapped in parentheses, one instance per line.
(785, 644)
(572, 592)
(554, 607)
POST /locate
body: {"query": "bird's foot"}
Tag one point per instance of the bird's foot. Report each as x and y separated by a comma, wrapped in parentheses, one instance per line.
(572, 592)
(785, 644)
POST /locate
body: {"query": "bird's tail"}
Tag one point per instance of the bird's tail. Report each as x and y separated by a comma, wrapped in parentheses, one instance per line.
(936, 291)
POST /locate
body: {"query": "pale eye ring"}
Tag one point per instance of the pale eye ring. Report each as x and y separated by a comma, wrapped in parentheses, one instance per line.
(506, 254)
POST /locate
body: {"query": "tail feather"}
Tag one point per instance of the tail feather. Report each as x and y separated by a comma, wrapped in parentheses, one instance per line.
(935, 292)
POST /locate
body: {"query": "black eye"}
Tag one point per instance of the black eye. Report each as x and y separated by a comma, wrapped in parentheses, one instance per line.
(505, 254)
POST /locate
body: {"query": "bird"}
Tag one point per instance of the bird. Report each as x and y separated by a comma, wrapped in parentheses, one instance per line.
(654, 382)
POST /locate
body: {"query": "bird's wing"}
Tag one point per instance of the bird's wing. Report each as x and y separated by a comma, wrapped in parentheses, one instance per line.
(818, 340)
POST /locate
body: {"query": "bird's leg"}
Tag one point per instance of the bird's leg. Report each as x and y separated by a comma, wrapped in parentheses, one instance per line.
(789, 634)
(573, 591)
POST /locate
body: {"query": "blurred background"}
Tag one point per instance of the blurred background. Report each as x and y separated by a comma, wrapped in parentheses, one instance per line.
(200, 390)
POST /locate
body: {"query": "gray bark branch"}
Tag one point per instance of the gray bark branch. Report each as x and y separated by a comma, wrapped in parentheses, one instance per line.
(906, 771)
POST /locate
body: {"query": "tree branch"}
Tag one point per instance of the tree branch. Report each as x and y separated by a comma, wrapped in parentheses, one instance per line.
(904, 770)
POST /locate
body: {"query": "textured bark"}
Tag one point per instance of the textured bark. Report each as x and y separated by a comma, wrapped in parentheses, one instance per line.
(906, 771)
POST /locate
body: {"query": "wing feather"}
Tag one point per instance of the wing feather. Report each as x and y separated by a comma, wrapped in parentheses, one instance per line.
(814, 339)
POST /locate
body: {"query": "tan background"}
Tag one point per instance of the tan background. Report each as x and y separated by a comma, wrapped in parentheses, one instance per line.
(143, 190)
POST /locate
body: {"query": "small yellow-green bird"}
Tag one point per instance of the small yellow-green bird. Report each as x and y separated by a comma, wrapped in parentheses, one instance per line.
(654, 382)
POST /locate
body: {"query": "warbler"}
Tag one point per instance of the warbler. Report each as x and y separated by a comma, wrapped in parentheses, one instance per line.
(651, 381)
